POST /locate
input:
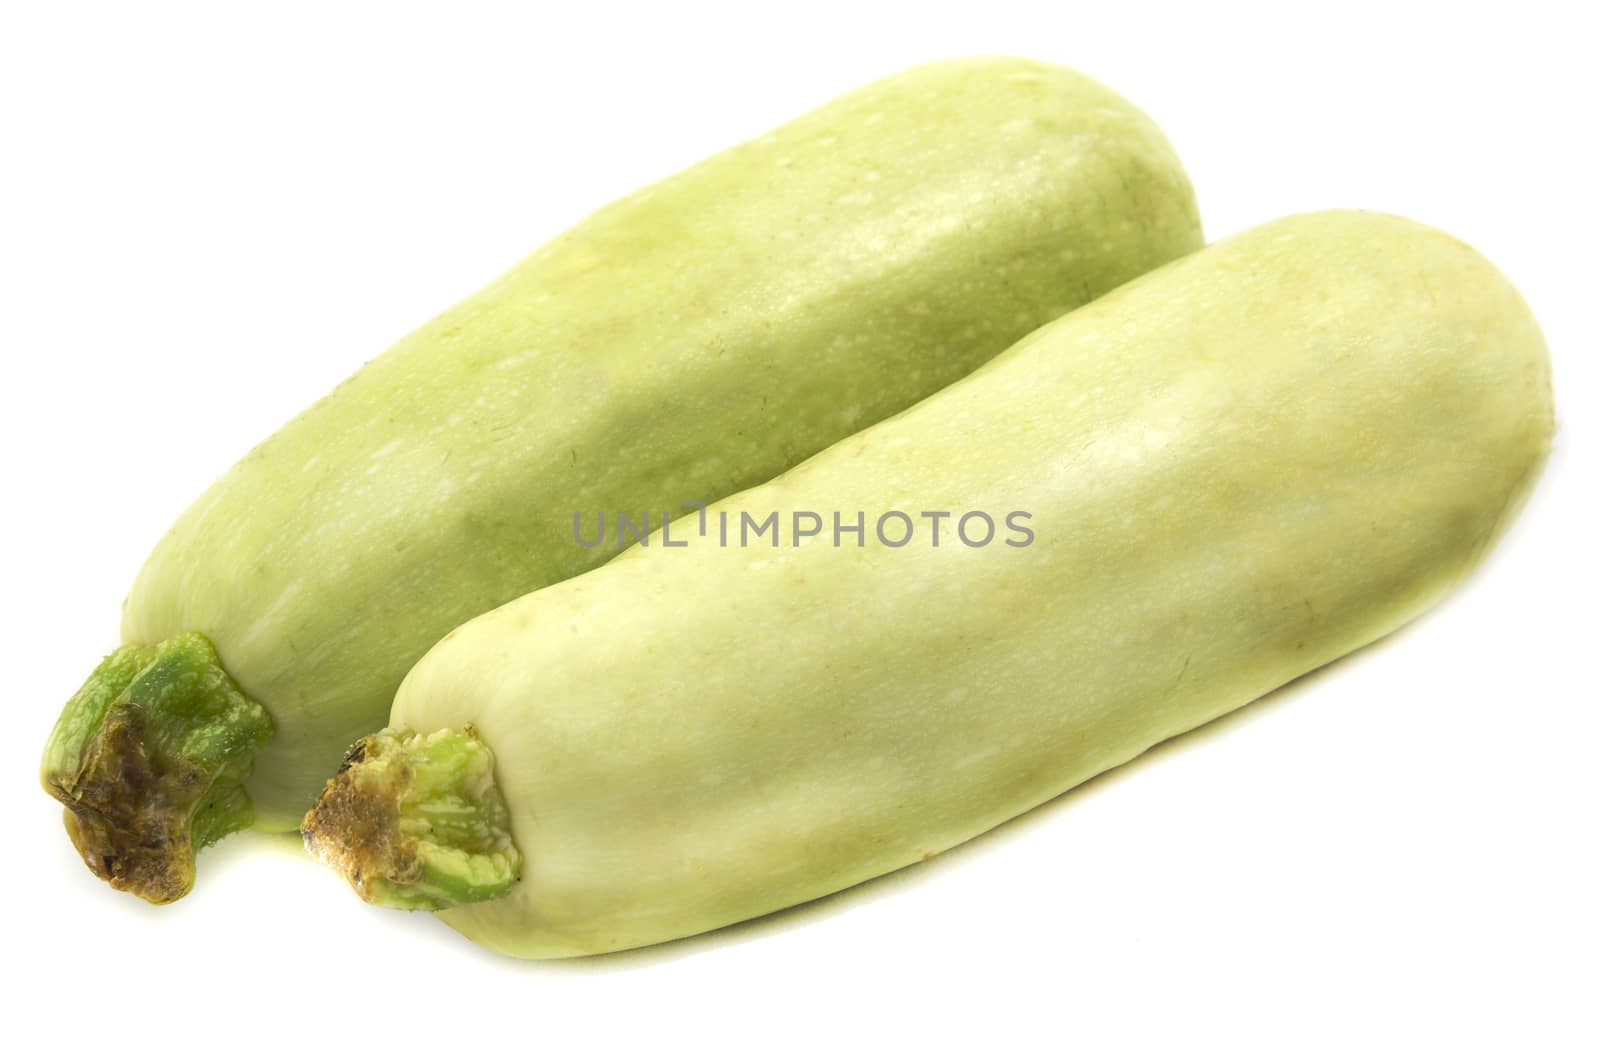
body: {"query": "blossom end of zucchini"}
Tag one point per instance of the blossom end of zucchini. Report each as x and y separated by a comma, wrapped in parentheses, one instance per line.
(416, 822)
(150, 759)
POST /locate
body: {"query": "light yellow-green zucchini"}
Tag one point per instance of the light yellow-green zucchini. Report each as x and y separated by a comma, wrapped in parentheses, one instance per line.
(688, 341)
(1235, 469)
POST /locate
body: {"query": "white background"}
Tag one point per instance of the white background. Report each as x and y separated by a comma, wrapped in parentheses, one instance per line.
(209, 215)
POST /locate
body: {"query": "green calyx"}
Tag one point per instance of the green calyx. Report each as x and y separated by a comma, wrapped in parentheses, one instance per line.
(416, 822)
(150, 758)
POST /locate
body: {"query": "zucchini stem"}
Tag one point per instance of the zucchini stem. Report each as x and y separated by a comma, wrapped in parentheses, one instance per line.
(416, 822)
(150, 758)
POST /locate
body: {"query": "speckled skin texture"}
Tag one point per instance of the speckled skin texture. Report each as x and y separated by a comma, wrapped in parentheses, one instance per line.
(686, 342)
(1240, 467)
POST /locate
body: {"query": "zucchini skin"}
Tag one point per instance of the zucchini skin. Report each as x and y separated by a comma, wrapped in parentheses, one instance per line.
(688, 341)
(1240, 467)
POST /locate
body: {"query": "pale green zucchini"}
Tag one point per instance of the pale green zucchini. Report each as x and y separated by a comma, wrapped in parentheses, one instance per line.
(695, 338)
(1238, 468)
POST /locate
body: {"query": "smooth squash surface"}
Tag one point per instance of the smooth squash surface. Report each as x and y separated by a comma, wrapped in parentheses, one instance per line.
(1238, 468)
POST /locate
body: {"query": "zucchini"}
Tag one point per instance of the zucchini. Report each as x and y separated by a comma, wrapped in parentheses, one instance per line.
(688, 341)
(1236, 469)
